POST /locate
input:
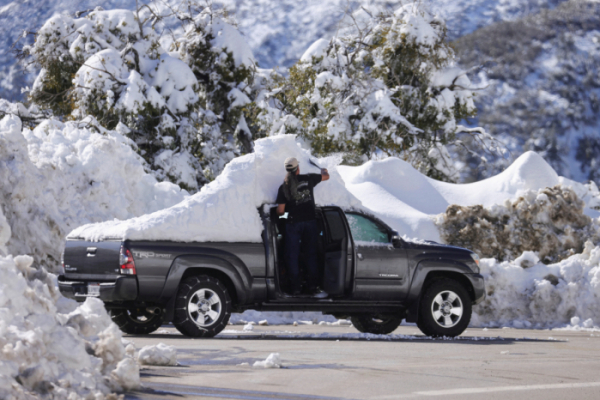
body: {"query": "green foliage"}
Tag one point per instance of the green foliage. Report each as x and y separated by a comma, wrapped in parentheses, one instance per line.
(374, 94)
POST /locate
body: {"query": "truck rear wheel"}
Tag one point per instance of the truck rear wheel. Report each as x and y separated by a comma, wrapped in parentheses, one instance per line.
(202, 307)
(377, 324)
(445, 309)
(136, 321)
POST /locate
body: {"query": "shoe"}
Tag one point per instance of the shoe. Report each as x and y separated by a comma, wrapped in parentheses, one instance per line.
(319, 294)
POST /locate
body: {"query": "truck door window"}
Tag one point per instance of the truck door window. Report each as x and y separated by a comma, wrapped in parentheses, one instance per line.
(337, 231)
(365, 230)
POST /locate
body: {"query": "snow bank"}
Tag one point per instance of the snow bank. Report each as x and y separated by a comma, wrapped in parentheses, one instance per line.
(227, 208)
(5, 233)
(49, 344)
(159, 354)
(407, 200)
(62, 175)
(541, 296)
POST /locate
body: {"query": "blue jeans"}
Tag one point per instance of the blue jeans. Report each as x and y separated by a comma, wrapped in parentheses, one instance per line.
(302, 236)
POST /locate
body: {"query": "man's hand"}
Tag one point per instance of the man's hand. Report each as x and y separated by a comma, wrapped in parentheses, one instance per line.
(324, 174)
(280, 209)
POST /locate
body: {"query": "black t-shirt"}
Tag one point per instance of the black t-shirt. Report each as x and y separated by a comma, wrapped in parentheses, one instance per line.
(302, 207)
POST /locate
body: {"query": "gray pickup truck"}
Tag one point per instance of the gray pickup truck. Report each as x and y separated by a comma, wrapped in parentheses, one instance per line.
(372, 276)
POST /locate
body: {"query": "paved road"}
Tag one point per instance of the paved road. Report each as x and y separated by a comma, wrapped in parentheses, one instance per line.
(331, 362)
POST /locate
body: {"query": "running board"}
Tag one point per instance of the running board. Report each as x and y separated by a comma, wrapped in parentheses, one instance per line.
(331, 305)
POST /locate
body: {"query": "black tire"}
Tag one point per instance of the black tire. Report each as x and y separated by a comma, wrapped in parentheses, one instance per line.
(447, 315)
(136, 321)
(377, 324)
(202, 307)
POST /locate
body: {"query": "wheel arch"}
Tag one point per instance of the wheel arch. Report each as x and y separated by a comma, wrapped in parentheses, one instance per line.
(430, 271)
(238, 283)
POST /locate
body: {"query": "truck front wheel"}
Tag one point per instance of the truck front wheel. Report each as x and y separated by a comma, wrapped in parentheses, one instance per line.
(445, 309)
(377, 324)
(202, 307)
(136, 321)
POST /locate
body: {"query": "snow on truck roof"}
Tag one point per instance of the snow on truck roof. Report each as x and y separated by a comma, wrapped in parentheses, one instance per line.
(390, 189)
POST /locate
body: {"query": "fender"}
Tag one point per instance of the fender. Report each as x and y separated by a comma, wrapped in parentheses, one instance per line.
(231, 266)
(423, 269)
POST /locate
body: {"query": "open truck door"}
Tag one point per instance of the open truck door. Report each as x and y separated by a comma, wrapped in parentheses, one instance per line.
(334, 252)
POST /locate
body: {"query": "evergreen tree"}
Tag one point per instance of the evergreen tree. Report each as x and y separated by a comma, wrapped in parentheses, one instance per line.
(389, 88)
(184, 108)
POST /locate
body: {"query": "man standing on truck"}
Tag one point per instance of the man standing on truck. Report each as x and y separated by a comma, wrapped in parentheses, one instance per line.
(295, 196)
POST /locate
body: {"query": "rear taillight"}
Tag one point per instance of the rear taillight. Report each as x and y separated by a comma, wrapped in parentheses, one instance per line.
(62, 263)
(126, 261)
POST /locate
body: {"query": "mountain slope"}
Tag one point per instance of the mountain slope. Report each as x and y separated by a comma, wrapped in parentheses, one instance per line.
(543, 87)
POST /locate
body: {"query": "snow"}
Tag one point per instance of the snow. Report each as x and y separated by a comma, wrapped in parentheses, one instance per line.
(416, 27)
(407, 200)
(277, 32)
(228, 38)
(62, 175)
(317, 49)
(5, 233)
(278, 318)
(227, 208)
(273, 361)
(159, 354)
(52, 343)
(541, 296)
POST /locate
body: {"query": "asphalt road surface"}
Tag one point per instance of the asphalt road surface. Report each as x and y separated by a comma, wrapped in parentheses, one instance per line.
(335, 362)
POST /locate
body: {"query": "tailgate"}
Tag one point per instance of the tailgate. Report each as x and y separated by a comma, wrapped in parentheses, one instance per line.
(92, 260)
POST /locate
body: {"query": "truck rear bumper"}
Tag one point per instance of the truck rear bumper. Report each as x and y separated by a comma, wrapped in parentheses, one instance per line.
(125, 288)
(478, 287)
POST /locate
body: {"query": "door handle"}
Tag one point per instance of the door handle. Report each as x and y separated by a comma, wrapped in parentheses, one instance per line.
(91, 251)
(360, 256)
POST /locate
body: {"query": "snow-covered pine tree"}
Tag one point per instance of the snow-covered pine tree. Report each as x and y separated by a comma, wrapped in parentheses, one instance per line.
(225, 69)
(390, 87)
(184, 109)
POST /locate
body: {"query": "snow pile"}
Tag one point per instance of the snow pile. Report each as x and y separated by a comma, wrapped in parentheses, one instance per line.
(5, 233)
(227, 208)
(408, 200)
(159, 354)
(52, 345)
(549, 221)
(273, 361)
(577, 324)
(61, 175)
(525, 293)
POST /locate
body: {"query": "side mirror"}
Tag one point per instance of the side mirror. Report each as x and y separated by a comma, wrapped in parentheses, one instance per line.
(397, 240)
